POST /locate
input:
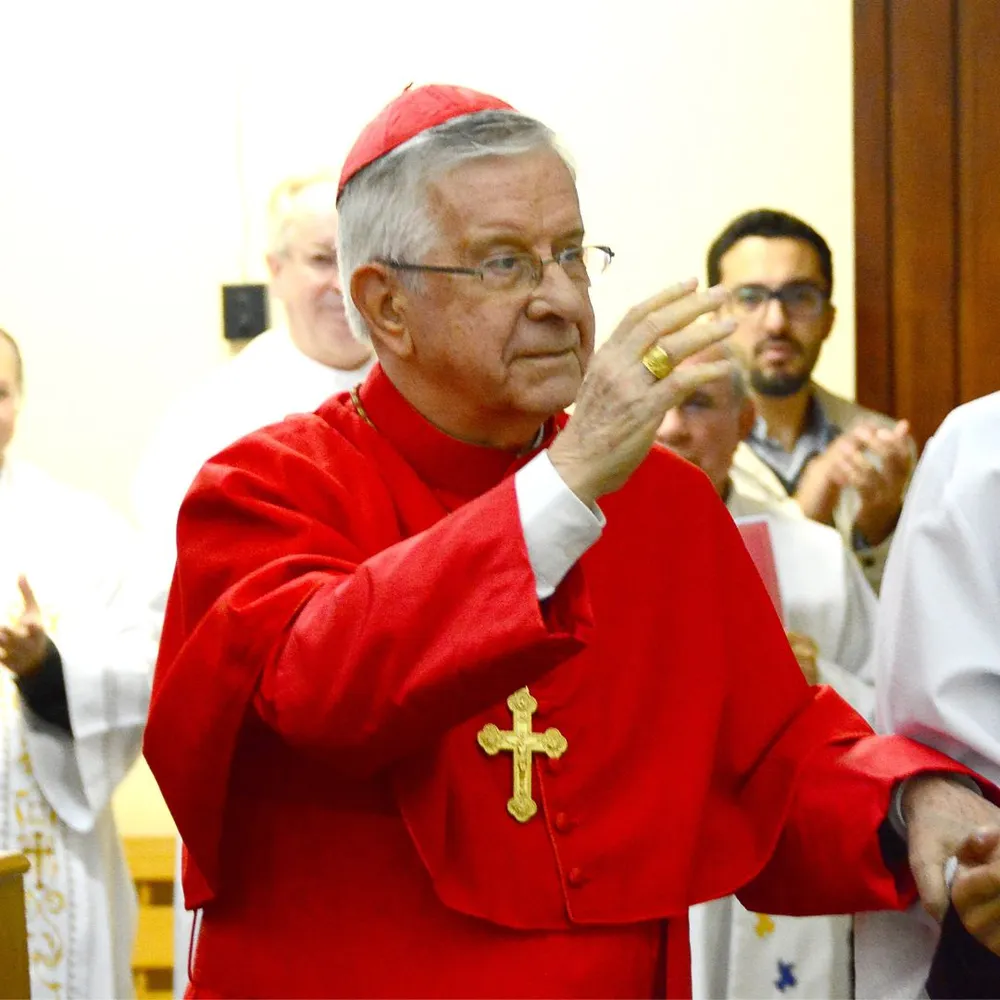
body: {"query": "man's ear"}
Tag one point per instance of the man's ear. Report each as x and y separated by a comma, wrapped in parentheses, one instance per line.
(379, 297)
(274, 262)
(748, 414)
(831, 317)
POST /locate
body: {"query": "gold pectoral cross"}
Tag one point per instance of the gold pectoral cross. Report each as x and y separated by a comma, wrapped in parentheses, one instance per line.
(38, 852)
(522, 742)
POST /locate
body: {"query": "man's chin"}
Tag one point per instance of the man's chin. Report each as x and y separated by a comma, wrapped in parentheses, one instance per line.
(778, 385)
(555, 393)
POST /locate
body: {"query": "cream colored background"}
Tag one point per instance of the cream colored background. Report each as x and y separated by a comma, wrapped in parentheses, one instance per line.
(138, 143)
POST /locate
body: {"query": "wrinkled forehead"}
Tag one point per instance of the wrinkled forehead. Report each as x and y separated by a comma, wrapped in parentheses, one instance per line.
(531, 194)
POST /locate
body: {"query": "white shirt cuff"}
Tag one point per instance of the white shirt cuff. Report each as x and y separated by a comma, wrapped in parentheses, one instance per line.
(558, 526)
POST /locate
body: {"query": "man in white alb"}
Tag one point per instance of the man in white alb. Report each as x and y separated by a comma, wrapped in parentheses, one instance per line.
(938, 667)
(289, 369)
(829, 610)
(75, 656)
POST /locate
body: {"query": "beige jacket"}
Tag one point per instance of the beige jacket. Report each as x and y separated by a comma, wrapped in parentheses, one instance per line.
(753, 478)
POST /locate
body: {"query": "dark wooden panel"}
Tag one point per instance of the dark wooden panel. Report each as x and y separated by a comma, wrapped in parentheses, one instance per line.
(872, 263)
(923, 180)
(979, 202)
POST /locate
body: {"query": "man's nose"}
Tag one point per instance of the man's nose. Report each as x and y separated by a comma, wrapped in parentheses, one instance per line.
(557, 294)
(774, 319)
(673, 429)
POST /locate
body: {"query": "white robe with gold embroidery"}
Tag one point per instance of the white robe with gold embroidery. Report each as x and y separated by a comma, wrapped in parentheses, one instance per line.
(55, 790)
(824, 594)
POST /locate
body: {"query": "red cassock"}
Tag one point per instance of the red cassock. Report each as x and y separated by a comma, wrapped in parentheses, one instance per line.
(353, 602)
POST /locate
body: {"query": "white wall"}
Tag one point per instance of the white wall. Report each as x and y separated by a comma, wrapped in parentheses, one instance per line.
(138, 145)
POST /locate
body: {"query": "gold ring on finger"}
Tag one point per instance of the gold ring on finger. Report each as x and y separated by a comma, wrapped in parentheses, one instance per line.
(657, 362)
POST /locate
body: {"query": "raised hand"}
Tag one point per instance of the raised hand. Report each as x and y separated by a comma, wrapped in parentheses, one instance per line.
(822, 480)
(881, 479)
(22, 646)
(875, 461)
(621, 404)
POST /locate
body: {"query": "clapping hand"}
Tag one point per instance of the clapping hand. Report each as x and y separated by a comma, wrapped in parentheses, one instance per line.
(876, 461)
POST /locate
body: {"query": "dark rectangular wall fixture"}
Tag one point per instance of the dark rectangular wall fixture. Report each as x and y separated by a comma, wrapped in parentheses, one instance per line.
(244, 311)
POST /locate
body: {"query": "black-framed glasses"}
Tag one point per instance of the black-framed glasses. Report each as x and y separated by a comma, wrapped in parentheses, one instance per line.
(507, 271)
(799, 299)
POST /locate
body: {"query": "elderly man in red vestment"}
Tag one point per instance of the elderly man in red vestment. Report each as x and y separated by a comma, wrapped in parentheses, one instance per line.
(458, 696)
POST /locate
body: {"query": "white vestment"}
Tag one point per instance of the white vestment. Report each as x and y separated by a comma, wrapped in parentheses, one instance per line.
(824, 595)
(938, 649)
(268, 380)
(55, 790)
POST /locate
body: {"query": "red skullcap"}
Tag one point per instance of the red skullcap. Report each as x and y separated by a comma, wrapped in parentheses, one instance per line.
(413, 112)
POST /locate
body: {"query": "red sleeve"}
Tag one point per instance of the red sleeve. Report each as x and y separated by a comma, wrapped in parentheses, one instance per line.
(816, 864)
(295, 594)
(799, 770)
(383, 656)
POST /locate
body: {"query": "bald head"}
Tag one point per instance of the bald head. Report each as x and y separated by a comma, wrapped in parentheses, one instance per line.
(708, 426)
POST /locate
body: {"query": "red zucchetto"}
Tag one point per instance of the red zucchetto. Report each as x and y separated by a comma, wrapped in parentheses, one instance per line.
(413, 112)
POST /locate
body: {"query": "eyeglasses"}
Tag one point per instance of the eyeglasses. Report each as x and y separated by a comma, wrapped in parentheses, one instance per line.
(505, 272)
(799, 299)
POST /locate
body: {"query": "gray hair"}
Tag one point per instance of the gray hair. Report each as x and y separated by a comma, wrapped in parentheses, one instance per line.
(294, 199)
(383, 208)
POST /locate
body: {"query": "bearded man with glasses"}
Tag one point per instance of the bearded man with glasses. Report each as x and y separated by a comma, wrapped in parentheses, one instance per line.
(843, 464)
(432, 722)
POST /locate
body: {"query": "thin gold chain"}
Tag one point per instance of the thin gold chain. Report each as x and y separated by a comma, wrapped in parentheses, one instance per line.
(356, 400)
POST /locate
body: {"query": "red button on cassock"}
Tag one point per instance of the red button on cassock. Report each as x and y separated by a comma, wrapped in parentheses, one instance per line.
(575, 878)
(562, 823)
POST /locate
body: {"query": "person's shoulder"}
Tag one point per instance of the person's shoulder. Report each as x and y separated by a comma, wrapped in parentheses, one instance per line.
(749, 503)
(842, 411)
(754, 478)
(979, 419)
(320, 437)
(966, 447)
(959, 472)
(663, 463)
(670, 484)
(307, 462)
